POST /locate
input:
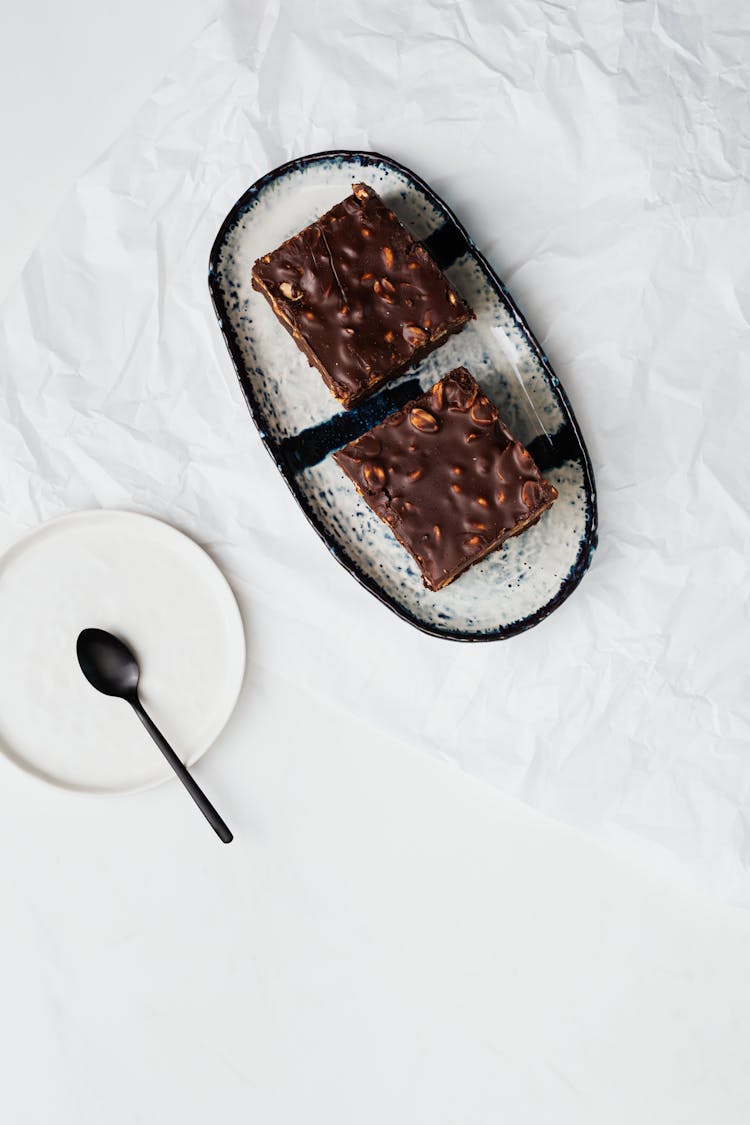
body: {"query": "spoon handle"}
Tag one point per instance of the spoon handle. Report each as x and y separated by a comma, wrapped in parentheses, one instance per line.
(195, 791)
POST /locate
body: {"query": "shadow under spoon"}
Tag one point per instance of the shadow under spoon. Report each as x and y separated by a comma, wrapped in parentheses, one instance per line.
(110, 666)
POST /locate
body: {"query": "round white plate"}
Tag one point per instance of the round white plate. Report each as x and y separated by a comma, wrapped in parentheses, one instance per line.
(149, 584)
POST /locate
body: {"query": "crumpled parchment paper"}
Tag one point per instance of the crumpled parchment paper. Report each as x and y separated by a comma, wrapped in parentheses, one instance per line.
(598, 152)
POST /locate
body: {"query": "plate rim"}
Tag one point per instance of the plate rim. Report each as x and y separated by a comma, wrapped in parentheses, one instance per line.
(589, 539)
(234, 613)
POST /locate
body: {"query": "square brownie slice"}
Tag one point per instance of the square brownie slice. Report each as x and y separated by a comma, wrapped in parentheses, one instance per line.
(448, 478)
(361, 297)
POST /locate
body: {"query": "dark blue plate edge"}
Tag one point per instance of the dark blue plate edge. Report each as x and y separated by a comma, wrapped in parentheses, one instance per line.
(589, 539)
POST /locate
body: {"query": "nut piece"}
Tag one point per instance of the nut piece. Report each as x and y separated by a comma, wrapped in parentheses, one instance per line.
(387, 285)
(437, 533)
(531, 494)
(472, 543)
(416, 475)
(423, 421)
(482, 412)
(290, 291)
(374, 475)
(414, 335)
(388, 256)
(369, 445)
(483, 502)
(437, 392)
(457, 397)
(522, 459)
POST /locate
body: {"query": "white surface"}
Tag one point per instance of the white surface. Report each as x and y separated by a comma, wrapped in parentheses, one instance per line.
(148, 584)
(386, 940)
(616, 204)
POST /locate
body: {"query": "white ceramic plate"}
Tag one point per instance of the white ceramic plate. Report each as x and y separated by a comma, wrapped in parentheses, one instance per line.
(149, 584)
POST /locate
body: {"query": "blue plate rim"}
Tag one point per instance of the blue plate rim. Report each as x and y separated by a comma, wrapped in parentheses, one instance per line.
(589, 539)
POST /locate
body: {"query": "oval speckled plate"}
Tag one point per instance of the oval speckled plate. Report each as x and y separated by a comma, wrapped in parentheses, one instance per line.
(301, 424)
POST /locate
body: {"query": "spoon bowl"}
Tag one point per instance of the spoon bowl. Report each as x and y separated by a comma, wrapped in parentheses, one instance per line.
(107, 663)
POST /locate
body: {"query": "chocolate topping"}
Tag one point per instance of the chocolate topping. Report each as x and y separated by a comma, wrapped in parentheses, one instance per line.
(361, 297)
(448, 477)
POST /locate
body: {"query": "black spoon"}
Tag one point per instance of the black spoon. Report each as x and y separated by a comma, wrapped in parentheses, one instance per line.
(110, 667)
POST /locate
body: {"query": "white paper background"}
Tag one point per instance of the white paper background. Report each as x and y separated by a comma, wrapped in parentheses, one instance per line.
(599, 155)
